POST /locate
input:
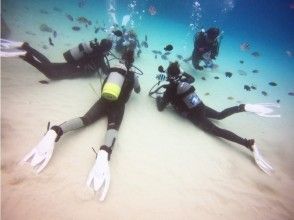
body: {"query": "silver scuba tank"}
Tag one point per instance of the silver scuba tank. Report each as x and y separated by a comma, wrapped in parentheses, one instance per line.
(191, 99)
(77, 53)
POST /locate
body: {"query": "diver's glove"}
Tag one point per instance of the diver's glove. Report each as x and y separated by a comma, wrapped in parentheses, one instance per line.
(100, 174)
(41, 154)
(262, 109)
(261, 163)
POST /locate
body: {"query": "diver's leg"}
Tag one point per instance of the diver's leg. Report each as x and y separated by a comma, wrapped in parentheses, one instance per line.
(54, 71)
(211, 113)
(210, 128)
(196, 57)
(95, 112)
(31, 51)
(115, 115)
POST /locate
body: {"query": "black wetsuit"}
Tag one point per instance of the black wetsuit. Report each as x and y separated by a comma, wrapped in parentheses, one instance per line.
(202, 46)
(201, 113)
(84, 68)
(114, 110)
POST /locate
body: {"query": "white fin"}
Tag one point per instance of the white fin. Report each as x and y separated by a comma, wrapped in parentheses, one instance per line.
(125, 20)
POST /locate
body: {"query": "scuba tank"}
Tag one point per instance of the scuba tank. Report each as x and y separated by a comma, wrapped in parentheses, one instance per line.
(112, 87)
(77, 53)
(187, 92)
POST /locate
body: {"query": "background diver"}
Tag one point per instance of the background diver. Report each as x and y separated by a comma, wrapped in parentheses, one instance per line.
(181, 94)
(82, 61)
(206, 48)
(116, 90)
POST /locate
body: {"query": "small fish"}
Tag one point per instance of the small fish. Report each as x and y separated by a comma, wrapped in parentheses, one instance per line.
(255, 54)
(272, 84)
(54, 34)
(69, 17)
(242, 72)
(166, 53)
(230, 98)
(288, 52)
(57, 9)
(203, 78)
(255, 71)
(152, 10)
(84, 21)
(228, 74)
(244, 46)
(253, 87)
(169, 48)
(180, 57)
(264, 93)
(43, 11)
(164, 57)
(117, 33)
(30, 33)
(207, 94)
(96, 30)
(45, 47)
(291, 93)
(241, 61)
(139, 53)
(246, 87)
(156, 52)
(50, 41)
(216, 77)
(160, 77)
(160, 69)
(144, 44)
(45, 28)
(278, 100)
(76, 28)
(81, 3)
(43, 82)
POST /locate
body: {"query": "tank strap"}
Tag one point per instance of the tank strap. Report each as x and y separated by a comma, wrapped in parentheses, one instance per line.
(119, 70)
(190, 90)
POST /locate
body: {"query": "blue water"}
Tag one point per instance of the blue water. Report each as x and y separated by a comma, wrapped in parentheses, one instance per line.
(267, 25)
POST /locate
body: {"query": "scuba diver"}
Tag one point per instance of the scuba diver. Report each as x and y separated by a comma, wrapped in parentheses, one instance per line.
(206, 48)
(116, 90)
(125, 39)
(181, 94)
(82, 61)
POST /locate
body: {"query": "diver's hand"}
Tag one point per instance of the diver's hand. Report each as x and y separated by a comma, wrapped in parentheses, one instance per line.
(41, 154)
(99, 176)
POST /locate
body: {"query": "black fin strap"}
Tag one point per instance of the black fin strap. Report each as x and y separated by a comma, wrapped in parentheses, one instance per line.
(107, 149)
(58, 131)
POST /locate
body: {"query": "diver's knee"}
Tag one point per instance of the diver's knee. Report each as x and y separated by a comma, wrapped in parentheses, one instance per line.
(86, 120)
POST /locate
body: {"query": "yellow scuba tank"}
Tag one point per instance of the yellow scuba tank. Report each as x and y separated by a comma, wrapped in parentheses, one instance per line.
(112, 87)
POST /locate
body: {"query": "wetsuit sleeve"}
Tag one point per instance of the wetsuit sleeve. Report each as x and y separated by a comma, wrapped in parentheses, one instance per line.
(187, 78)
(137, 87)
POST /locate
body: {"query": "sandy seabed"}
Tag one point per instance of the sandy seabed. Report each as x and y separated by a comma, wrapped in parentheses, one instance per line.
(162, 167)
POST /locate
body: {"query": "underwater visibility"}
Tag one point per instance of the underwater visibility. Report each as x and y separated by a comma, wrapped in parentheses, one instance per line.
(143, 109)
